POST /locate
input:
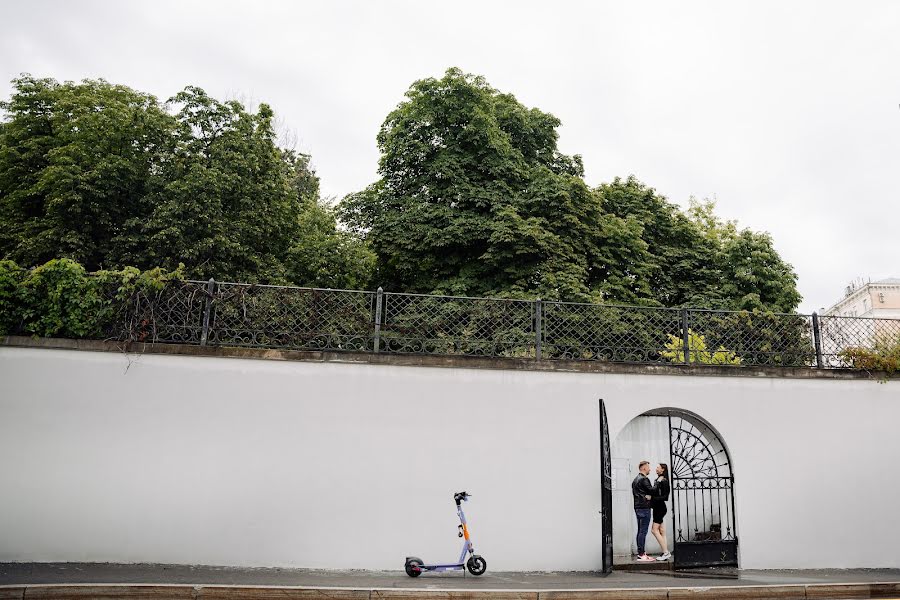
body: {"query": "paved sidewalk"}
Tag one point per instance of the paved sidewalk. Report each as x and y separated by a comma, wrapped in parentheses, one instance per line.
(24, 574)
(99, 581)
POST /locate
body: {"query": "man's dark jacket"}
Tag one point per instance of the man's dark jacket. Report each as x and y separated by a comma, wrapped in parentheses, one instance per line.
(640, 488)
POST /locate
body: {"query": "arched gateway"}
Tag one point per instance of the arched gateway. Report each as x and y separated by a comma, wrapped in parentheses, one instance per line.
(701, 523)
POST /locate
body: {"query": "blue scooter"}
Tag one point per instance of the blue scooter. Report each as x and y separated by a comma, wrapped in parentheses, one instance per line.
(476, 564)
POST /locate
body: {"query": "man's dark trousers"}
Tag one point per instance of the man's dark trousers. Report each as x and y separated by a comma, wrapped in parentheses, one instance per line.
(643, 519)
(642, 490)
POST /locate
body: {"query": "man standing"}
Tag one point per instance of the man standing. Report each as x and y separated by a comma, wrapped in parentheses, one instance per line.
(642, 490)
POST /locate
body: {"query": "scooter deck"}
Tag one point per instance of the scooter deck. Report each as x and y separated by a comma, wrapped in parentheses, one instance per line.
(442, 567)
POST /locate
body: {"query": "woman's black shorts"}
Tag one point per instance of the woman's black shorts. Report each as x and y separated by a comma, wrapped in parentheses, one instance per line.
(659, 513)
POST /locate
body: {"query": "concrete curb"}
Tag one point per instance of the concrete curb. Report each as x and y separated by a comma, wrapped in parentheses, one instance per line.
(843, 591)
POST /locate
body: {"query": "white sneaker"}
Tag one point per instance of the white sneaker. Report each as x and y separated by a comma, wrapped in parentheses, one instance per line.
(664, 556)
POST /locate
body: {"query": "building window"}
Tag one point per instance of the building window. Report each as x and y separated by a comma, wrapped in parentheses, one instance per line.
(881, 297)
(865, 305)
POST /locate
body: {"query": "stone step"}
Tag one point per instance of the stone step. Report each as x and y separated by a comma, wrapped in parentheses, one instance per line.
(631, 565)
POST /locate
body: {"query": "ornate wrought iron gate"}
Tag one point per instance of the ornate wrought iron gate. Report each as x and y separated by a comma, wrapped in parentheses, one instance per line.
(702, 484)
(606, 495)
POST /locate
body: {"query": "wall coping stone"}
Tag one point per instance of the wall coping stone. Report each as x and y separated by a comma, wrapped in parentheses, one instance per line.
(453, 362)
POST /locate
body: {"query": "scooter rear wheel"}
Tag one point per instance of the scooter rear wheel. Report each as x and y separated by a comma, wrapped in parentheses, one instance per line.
(476, 565)
(413, 568)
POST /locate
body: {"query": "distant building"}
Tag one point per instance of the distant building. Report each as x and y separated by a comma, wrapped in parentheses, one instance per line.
(879, 299)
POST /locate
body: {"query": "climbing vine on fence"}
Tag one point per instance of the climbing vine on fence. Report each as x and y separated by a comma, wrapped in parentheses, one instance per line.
(61, 299)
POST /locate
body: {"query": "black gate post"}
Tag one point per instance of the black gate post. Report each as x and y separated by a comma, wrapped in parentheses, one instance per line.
(675, 531)
(817, 337)
(207, 307)
(606, 495)
(379, 306)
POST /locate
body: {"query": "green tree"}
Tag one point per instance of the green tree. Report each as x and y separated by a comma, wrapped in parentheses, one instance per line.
(324, 256)
(75, 162)
(713, 228)
(697, 259)
(11, 277)
(229, 204)
(475, 198)
(109, 177)
(756, 277)
(751, 275)
(301, 176)
(681, 262)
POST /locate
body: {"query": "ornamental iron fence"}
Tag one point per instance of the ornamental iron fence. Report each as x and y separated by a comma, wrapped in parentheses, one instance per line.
(455, 326)
(609, 333)
(264, 316)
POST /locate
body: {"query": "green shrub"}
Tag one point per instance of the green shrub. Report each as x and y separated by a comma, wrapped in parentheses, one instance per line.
(11, 276)
(884, 355)
(699, 353)
(60, 299)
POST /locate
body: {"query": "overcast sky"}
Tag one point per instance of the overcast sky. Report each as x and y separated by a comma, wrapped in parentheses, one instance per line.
(787, 113)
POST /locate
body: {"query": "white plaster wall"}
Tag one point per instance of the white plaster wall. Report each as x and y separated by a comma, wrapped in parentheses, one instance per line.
(265, 463)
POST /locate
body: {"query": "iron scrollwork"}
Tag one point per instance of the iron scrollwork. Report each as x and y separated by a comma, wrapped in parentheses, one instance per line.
(703, 494)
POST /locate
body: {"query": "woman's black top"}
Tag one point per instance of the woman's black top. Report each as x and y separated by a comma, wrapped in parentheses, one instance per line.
(660, 492)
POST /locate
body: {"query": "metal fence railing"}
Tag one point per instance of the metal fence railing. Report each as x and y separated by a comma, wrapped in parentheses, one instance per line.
(837, 335)
(607, 333)
(263, 316)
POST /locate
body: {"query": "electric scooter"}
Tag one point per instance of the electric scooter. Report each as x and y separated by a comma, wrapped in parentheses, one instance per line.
(476, 564)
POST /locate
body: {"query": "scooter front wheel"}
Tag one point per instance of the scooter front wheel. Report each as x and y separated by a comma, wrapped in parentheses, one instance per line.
(476, 565)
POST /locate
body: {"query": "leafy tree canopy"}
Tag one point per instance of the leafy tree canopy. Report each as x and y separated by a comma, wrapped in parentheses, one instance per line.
(227, 203)
(678, 263)
(751, 275)
(109, 177)
(475, 198)
(697, 259)
(76, 160)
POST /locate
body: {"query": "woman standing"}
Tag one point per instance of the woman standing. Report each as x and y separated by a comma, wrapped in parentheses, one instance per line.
(658, 504)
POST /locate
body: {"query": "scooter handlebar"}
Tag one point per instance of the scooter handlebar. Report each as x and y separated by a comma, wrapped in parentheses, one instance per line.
(461, 497)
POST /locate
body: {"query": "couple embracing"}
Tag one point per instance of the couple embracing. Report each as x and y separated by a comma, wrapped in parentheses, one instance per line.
(650, 497)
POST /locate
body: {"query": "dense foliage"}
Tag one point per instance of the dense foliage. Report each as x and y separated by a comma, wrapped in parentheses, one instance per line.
(475, 198)
(76, 163)
(61, 299)
(110, 177)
